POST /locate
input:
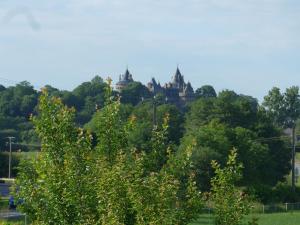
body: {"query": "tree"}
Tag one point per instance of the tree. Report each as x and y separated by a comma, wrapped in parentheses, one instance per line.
(57, 187)
(206, 91)
(72, 183)
(145, 187)
(235, 121)
(134, 93)
(143, 112)
(230, 203)
(284, 108)
(89, 97)
(228, 107)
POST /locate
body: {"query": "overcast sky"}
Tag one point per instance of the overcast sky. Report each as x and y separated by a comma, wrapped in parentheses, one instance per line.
(245, 45)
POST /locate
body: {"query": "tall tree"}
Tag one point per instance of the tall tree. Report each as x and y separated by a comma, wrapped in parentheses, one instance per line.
(231, 120)
(285, 110)
(57, 187)
(230, 204)
(71, 183)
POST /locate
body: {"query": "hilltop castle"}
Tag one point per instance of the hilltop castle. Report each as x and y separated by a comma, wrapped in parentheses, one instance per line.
(176, 91)
(124, 80)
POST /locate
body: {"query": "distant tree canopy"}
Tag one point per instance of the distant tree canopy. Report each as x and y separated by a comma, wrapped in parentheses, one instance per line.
(216, 125)
(212, 124)
(206, 91)
(17, 103)
(134, 93)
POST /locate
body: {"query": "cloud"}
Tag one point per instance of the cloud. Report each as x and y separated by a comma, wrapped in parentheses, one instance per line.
(22, 11)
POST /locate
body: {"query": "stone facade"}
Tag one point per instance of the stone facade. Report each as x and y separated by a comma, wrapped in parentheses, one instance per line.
(176, 91)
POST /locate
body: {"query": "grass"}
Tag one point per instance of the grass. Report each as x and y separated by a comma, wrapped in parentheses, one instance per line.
(263, 219)
(3, 204)
(12, 222)
(291, 218)
(30, 154)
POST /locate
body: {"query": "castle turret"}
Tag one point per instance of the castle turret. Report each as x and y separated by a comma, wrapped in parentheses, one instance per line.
(188, 93)
(178, 80)
(124, 80)
(154, 87)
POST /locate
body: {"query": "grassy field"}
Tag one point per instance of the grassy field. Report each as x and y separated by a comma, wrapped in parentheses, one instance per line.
(263, 219)
(12, 222)
(31, 154)
(205, 219)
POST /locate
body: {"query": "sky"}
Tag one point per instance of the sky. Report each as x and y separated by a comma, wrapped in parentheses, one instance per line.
(248, 46)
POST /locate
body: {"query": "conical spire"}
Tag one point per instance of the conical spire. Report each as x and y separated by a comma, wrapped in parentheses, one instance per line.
(178, 73)
(126, 74)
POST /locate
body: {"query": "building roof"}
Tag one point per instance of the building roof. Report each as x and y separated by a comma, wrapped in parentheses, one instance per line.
(125, 78)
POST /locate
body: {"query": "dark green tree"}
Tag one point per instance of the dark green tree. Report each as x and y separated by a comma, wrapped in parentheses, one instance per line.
(284, 108)
(230, 120)
(206, 91)
(134, 93)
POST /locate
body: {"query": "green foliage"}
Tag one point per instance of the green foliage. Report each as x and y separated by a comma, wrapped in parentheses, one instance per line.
(56, 187)
(17, 103)
(134, 93)
(279, 193)
(4, 164)
(284, 108)
(71, 183)
(235, 121)
(230, 204)
(206, 91)
(139, 187)
(143, 113)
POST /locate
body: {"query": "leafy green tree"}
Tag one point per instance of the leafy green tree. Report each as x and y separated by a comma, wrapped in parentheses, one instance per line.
(144, 187)
(71, 183)
(228, 107)
(28, 104)
(134, 93)
(18, 101)
(230, 120)
(206, 91)
(264, 161)
(143, 113)
(57, 187)
(284, 108)
(230, 203)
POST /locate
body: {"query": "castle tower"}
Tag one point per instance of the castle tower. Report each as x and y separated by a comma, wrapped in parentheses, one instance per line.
(188, 93)
(124, 80)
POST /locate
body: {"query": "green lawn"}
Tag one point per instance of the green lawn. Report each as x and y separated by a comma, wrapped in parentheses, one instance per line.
(263, 219)
(11, 222)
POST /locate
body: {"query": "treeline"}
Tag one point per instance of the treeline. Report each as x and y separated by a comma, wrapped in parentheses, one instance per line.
(212, 125)
(19, 102)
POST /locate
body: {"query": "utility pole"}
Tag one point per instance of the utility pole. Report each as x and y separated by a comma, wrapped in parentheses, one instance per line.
(154, 112)
(293, 157)
(9, 158)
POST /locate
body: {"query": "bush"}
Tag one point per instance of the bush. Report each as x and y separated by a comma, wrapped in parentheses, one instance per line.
(4, 158)
(281, 193)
